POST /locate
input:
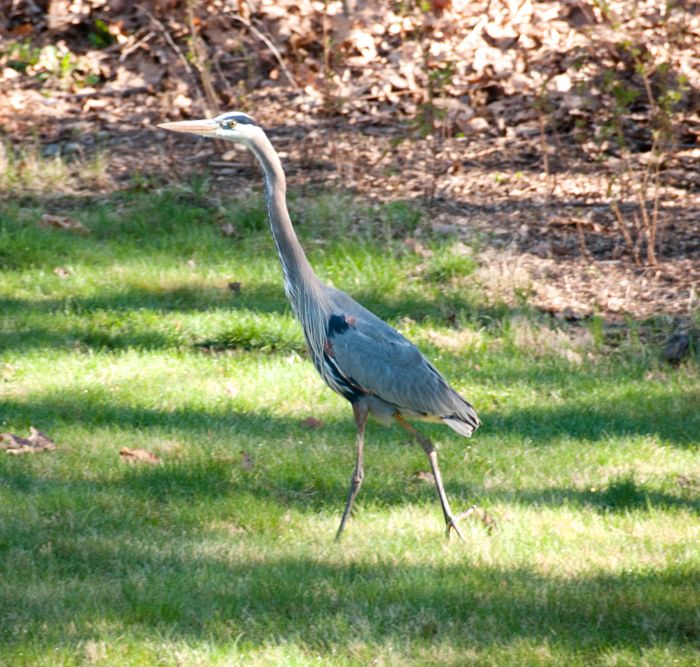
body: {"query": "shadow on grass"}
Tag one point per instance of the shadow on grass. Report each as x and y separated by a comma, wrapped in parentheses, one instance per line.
(184, 298)
(618, 495)
(670, 415)
(217, 479)
(291, 470)
(116, 328)
(165, 587)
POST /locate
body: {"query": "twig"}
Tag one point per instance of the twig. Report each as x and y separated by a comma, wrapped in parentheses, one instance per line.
(222, 77)
(623, 228)
(171, 42)
(274, 50)
(209, 92)
(651, 241)
(582, 241)
(178, 51)
(136, 45)
(551, 180)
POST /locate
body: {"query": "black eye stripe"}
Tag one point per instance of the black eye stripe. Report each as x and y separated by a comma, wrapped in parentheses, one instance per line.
(239, 118)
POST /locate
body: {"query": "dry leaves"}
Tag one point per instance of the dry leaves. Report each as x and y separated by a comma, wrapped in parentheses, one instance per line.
(36, 442)
(311, 422)
(138, 456)
(50, 221)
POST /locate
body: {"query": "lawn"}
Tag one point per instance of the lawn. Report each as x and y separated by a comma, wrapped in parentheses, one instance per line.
(156, 331)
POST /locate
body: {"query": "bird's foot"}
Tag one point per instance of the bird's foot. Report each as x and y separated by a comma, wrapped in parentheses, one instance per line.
(473, 512)
(451, 524)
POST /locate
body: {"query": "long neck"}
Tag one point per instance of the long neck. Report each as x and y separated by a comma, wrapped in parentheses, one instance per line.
(300, 280)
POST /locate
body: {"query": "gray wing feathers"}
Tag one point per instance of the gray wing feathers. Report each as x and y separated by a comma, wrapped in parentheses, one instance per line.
(381, 361)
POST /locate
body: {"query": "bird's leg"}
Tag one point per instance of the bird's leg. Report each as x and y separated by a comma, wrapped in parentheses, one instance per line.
(450, 519)
(358, 473)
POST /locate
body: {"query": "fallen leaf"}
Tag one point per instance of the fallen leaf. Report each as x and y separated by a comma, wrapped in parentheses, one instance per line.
(138, 456)
(417, 247)
(228, 526)
(235, 287)
(228, 229)
(312, 422)
(246, 461)
(486, 518)
(423, 476)
(687, 482)
(49, 221)
(36, 442)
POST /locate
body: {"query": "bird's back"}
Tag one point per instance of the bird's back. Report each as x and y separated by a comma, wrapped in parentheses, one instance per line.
(364, 358)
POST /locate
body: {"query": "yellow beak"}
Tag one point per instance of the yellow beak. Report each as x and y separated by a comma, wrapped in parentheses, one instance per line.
(204, 126)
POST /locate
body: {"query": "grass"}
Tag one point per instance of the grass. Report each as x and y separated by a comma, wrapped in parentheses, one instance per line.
(224, 555)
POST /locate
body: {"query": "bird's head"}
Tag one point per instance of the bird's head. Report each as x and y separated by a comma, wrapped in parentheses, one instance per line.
(233, 126)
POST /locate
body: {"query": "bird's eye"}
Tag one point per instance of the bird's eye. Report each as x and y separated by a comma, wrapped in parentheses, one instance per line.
(229, 124)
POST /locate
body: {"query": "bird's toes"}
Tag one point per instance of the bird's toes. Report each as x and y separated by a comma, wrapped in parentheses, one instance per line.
(452, 525)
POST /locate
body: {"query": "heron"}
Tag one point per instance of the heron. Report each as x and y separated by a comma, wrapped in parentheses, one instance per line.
(357, 354)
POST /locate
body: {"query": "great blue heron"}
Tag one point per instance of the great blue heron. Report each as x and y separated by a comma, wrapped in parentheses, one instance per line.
(358, 355)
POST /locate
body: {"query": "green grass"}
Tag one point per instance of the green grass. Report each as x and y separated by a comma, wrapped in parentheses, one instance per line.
(224, 555)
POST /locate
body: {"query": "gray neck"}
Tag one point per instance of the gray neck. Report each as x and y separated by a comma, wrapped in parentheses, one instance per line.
(300, 281)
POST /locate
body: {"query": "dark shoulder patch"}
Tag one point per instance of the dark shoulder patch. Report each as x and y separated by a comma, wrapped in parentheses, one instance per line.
(337, 325)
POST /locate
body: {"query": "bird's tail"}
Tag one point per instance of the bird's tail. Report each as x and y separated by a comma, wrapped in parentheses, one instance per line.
(466, 422)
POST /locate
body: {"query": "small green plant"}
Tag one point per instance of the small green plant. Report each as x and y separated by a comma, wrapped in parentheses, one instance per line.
(446, 264)
(256, 332)
(250, 216)
(400, 218)
(52, 64)
(652, 86)
(100, 36)
(21, 55)
(596, 327)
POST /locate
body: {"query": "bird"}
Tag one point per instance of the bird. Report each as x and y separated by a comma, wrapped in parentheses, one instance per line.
(356, 353)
